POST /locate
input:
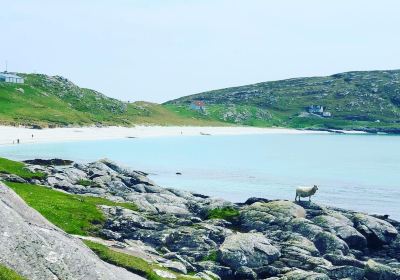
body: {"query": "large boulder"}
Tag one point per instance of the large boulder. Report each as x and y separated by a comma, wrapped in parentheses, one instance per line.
(304, 227)
(376, 231)
(36, 249)
(329, 243)
(376, 271)
(342, 272)
(247, 249)
(343, 228)
(262, 216)
(299, 274)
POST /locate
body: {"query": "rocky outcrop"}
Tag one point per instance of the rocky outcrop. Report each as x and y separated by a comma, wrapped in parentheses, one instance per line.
(265, 239)
(376, 231)
(36, 249)
(262, 216)
(250, 250)
(376, 271)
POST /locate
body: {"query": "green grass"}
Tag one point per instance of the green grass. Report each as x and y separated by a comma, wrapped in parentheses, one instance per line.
(73, 213)
(357, 100)
(52, 101)
(18, 168)
(131, 263)
(87, 183)
(227, 213)
(212, 256)
(8, 274)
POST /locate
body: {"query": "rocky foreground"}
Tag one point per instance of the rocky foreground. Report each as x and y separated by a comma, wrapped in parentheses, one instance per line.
(259, 239)
(39, 250)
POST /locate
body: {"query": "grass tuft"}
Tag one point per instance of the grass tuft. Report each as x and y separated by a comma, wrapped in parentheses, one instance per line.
(8, 274)
(227, 213)
(212, 256)
(18, 168)
(74, 214)
(131, 263)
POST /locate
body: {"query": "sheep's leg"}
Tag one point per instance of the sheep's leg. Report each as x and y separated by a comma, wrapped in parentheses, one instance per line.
(295, 199)
(309, 198)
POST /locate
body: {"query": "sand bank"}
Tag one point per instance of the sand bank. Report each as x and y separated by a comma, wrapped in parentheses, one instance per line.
(9, 135)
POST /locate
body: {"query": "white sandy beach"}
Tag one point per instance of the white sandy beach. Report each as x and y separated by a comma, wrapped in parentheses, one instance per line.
(9, 135)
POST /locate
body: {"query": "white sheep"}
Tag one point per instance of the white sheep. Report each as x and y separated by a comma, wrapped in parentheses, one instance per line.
(306, 192)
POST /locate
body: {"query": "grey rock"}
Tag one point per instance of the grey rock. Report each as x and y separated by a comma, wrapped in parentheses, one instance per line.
(189, 240)
(222, 271)
(261, 216)
(329, 243)
(305, 227)
(340, 260)
(299, 274)
(376, 231)
(12, 178)
(245, 272)
(164, 274)
(126, 221)
(376, 271)
(203, 276)
(342, 272)
(35, 248)
(175, 266)
(247, 249)
(343, 228)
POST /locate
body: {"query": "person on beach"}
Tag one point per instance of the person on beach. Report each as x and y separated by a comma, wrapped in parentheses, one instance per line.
(17, 141)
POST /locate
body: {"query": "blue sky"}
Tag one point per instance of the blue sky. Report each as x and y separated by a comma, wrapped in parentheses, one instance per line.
(156, 50)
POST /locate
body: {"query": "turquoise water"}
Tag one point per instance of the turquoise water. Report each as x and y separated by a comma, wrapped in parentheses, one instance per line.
(360, 172)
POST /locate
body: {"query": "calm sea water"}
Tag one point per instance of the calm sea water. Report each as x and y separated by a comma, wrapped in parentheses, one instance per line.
(360, 172)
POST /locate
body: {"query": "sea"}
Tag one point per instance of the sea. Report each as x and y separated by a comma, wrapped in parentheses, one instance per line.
(357, 172)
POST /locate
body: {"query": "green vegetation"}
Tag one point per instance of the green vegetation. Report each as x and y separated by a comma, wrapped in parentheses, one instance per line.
(46, 101)
(227, 213)
(357, 100)
(131, 263)
(212, 256)
(18, 168)
(8, 274)
(87, 183)
(73, 213)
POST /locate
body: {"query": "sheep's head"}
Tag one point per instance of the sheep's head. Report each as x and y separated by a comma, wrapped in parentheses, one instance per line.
(315, 188)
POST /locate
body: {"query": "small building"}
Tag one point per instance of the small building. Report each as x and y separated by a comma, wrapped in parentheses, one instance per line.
(11, 78)
(326, 114)
(198, 106)
(316, 109)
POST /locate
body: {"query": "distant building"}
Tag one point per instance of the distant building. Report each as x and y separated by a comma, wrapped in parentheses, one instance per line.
(198, 106)
(316, 109)
(11, 78)
(319, 110)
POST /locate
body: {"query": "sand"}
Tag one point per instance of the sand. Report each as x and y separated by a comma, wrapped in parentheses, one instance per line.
(9, 135)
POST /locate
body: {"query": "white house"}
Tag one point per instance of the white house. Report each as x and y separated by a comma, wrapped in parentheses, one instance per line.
(11, 78)
(315, 109)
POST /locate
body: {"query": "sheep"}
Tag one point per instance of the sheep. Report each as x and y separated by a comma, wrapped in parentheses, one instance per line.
(306, 192)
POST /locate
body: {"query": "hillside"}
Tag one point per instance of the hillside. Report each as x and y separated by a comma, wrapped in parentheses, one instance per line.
(367, 100)
(50, 101)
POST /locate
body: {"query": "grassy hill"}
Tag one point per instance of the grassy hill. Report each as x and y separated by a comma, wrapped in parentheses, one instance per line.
(367, 100)
(50, 101)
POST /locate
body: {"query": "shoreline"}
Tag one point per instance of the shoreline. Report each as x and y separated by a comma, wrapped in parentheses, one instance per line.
(9, 134)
